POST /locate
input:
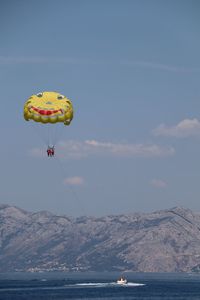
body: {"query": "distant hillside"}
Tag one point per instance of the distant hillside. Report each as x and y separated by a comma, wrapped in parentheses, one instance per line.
(163, 241)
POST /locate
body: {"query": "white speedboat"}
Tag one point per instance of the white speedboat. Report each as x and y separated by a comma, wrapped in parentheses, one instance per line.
(122, 281)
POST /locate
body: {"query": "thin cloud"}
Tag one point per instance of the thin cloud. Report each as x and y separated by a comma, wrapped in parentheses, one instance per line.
(186, 128)
(71, 60)
(158, 183)
(77, 149)
(160, 66)
(76, 181)
(44, 60)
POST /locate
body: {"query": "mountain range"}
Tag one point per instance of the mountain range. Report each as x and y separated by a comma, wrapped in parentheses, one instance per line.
(161, 241)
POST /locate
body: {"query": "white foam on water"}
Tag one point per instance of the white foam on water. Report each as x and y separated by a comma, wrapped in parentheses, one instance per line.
(108, 284)
(76, 285)
(134, 284)
(92, 284)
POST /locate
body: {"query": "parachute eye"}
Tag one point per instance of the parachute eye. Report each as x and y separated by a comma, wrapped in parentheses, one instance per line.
(39, 95)
(60, 97)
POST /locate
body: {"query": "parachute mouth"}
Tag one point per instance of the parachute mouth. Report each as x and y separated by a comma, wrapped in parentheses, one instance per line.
(45, 112)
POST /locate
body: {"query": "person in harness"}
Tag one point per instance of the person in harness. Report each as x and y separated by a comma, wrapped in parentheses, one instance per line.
(50, 151)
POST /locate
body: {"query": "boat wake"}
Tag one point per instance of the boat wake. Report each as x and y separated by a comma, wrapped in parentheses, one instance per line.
(69, 286)
(108, 284)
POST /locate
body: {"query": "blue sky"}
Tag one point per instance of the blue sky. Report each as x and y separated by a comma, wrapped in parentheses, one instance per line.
(132, 71)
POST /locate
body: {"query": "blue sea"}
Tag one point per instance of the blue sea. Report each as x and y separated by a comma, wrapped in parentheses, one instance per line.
(94, 286)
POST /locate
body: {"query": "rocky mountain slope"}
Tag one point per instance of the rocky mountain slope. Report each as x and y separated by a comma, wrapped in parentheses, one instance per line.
(162, 241)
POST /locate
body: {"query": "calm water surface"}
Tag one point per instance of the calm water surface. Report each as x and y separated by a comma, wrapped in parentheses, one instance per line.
(52, 286)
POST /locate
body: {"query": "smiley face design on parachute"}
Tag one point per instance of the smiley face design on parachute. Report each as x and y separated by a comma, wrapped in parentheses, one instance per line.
(48, 107)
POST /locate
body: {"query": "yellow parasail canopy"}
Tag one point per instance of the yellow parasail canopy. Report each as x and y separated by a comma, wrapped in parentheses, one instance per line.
(48, 107)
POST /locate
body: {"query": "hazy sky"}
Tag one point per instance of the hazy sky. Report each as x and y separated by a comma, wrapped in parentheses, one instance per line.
(132, 71)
